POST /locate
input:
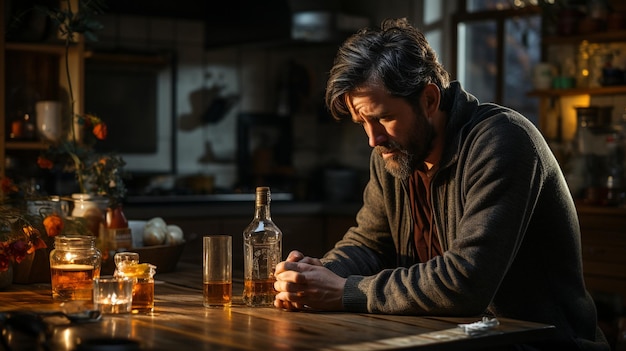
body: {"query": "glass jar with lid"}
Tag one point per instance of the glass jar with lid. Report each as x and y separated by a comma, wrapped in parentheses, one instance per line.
(127, 266)
(74, 262)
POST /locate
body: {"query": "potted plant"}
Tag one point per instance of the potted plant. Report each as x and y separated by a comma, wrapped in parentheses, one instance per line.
(98, 176)
(27, 232)
(73, 152)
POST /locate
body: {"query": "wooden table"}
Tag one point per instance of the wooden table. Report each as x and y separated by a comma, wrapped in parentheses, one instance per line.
(180, 319)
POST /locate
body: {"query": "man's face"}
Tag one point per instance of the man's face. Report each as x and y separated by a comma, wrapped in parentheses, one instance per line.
(402, 136)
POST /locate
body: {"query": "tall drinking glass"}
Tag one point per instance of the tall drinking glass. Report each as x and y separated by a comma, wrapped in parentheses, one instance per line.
(217, 270)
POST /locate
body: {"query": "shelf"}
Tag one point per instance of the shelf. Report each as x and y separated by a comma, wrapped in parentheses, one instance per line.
(26, 145)
(49, 48)
(601, 210)
(599, 37)
(607, 90)
(148, 59)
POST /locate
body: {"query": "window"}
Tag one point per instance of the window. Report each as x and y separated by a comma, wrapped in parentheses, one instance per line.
(498, 43)
(433, 18)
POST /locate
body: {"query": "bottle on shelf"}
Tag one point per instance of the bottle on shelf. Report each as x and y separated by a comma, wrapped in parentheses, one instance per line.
(619, 160)
(262, 241)
(22, 127)
(614, 170)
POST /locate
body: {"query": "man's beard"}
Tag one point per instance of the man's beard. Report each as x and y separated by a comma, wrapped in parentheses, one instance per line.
(400, 165)
(411, 156)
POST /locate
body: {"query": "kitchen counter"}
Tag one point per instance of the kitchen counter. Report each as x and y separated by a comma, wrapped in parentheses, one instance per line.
(229, 205)
(226, 197)
(306, 225)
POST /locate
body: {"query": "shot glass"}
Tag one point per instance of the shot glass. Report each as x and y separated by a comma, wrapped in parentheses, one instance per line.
(112, 295)
(217, 270)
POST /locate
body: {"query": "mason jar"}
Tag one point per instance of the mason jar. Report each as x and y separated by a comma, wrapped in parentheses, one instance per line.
(74, 262)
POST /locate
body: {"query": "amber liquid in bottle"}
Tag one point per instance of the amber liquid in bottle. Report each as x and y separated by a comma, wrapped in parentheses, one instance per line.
(262, 242)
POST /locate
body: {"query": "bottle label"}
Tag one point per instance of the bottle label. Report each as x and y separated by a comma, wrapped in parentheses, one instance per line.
(121, 238)
(261, 260)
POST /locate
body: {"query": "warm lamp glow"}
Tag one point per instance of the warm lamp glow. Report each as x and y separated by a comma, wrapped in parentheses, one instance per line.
(568, 114)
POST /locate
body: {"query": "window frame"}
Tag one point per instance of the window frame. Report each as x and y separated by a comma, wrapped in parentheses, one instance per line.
(500, 17)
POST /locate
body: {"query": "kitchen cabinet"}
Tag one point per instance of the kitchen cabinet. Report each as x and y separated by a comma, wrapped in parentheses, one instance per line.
(591, 70)
(579, 57)
(603, 229)
(603, 236)
(555, 93)
(34, 71)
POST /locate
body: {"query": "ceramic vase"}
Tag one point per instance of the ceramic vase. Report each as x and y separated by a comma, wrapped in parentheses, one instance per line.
(92, 209)
(48, 115)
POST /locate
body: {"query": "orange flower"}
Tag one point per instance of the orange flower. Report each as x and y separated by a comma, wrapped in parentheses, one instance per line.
(34, 239)
(38, 243)
(53, 224)
(100, 131)
(44, 163)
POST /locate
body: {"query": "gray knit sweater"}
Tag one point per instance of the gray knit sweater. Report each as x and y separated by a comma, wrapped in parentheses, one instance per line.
(505, 220)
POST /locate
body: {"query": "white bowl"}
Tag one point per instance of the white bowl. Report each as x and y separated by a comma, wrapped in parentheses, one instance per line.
(136, 230)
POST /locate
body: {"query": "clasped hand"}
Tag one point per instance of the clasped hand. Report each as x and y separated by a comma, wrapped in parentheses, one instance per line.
(303, 283)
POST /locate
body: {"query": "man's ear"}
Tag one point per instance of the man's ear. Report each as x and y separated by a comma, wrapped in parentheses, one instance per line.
(431, 98)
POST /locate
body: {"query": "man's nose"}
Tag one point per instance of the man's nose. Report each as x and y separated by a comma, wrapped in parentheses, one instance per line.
(376, 134)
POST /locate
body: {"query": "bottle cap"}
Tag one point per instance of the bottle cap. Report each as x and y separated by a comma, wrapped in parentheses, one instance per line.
(263, 196)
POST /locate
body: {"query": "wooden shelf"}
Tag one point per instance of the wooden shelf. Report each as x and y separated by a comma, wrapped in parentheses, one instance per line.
(607, 90)
(150, 59)
(49, 48)
(602, 210)
(26, 145)
(41, 64)
(599, 37)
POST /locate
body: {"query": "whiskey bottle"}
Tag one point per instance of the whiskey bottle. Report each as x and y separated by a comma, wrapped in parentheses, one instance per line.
(262, 244)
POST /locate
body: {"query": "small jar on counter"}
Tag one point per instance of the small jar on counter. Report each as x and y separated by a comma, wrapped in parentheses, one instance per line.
(74, 262)
(127, 266)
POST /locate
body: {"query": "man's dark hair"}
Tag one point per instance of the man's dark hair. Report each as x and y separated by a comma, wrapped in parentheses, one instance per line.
(396, 54)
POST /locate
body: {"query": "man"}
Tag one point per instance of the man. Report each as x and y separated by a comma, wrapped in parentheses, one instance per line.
(466, 212)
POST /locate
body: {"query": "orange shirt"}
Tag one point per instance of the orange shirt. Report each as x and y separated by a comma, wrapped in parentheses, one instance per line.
(424, 232)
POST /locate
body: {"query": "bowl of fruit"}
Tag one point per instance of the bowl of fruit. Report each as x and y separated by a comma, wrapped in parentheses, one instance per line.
(156, 242)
